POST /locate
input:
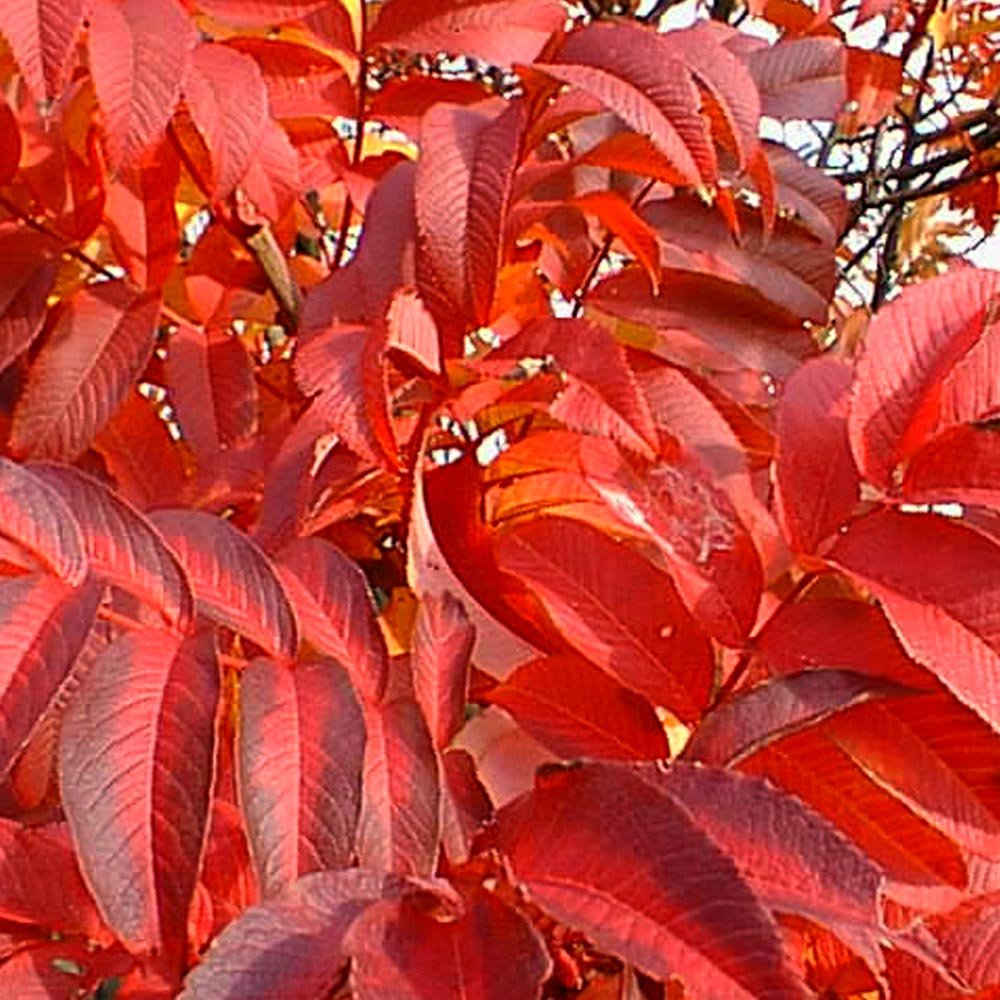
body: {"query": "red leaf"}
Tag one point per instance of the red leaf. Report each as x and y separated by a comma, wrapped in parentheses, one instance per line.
(41, 35)
(136, 760)
(811, 634)
(817, 200)
(577, 710)
(641, 77)
(962, 464)
(936, 755)
(261, 13)
(818, 483)
(290, 946)
(233, 581)
(939, 582)
(98, 347)
(812, 767)
(271, 183)
(794, 860)
(693, 319)
(968, 936)
(344, 365)
(465, 805)
(442, 645)
(694, 530)
(876, 82)
(42, 883)
(36, 517)
(400, 817)
(601, 395)
(43, 625)
(301, 748)
(788, 266)
(137, 77)
(26, 278)
(337, 611)
(10, 142)
(413, 332)
(225, 94)
(800, 76)
(497, 31)
(122, 546)
(59, 969)
(142, 219)
(490, 952)
(209, 378)
(926, 368)
(463, 185)
(604, 851)
(752, 720)
(614, 608)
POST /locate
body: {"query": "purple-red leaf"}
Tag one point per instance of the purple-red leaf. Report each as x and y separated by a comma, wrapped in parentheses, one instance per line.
(123, 547)
(442, 644)
(85, 369)
(800, 77)
(301, 749)
(43, 625)
(463, 185)
(818, 483)
(929, 364)
(136, 76)
(576, 710)
(38, 519)
(337, 611)
(290, 946)
(403, 951)
(641, 77)
(136, 757)
(602, 850)
(782, 705)
(793, 859)
(401, 810)
(27, 274)
(233, 581)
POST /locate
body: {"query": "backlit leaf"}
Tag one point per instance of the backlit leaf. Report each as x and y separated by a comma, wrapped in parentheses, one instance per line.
(576, 710)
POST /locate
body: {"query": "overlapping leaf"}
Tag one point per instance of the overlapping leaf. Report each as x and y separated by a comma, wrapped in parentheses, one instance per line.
(498, 31)
(929, 364)
(301, 748)
(939, 582)
(137, 77)
(613, 607)
(576, 710)
(818, 483)
(401, 951)
(38, 519)
(41, 35)
(122, 546)
(336, 609)
(137, 752)
(233, 581)
(97, 348)
(604, 851)
(43, 626)
(28, 276)
(401, 806)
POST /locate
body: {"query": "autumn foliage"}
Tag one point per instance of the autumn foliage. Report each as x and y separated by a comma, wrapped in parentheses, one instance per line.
(460, 539)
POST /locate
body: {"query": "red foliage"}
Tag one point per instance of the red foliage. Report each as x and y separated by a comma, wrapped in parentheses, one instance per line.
(349, 474)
